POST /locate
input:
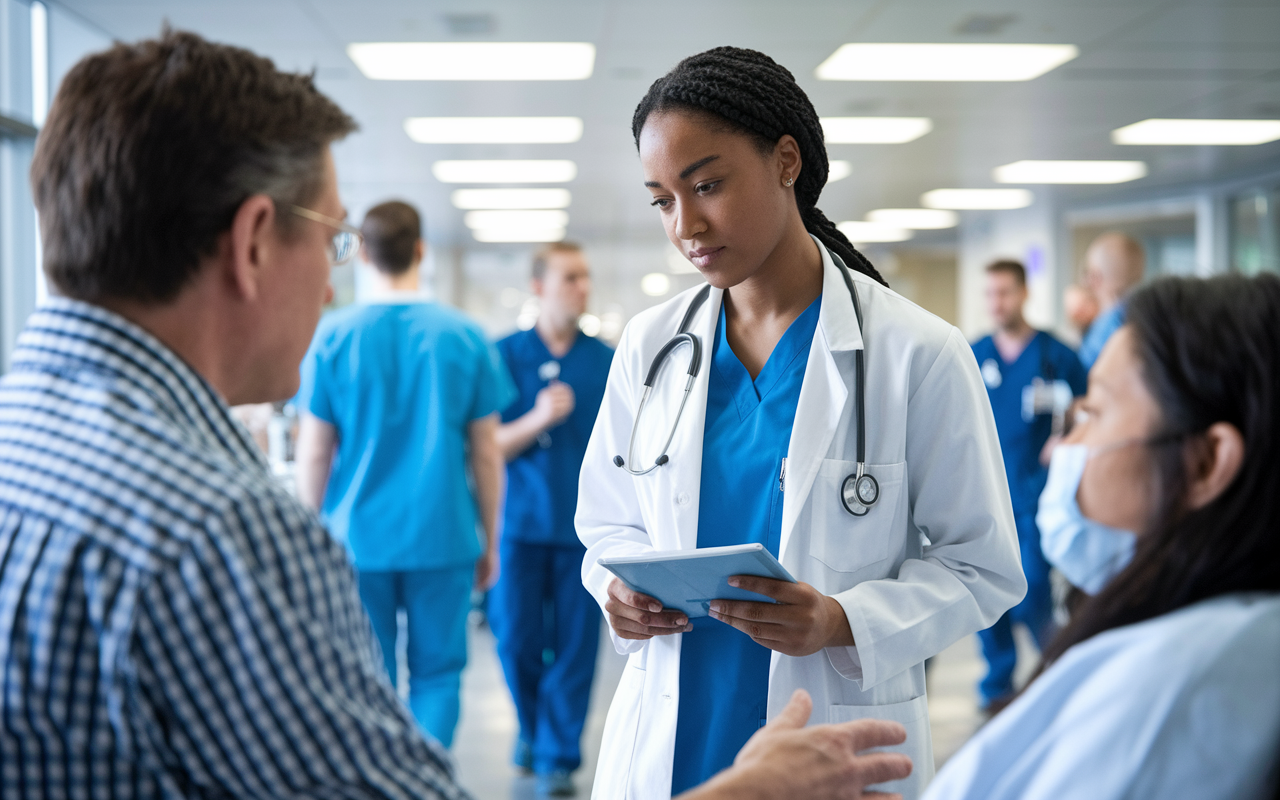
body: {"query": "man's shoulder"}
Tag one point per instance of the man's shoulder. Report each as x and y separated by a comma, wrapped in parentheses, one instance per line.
(597, 348)
(983, 344)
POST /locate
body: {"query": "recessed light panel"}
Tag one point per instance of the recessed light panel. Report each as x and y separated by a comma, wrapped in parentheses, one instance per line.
(505, 171)
(468, 199)
(515, 219)
(874, 130)
(944, 62)
(474, 61)
(518, 234)
(867, 232)
(1070, 172)
(838, 170)
(493, 130)
(977, 199)
(1199, 131)
(914, 218)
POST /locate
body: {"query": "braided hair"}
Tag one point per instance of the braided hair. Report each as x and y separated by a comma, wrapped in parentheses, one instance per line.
(757, 96)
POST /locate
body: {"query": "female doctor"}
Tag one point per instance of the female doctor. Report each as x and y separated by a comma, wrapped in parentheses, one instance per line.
(811, 376)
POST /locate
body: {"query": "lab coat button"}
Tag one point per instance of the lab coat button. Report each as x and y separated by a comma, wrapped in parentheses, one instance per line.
(682, 499)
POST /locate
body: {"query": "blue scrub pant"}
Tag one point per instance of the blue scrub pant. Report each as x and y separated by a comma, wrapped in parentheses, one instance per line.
(1035, 611)
(436, 602)
(548, 631)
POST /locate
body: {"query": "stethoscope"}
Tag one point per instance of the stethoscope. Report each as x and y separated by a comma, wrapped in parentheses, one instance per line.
(858, 492)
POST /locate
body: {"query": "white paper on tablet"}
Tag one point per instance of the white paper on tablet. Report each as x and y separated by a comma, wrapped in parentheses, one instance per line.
(688, 580)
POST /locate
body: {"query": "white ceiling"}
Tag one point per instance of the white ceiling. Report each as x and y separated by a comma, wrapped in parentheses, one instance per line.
(1139, 59)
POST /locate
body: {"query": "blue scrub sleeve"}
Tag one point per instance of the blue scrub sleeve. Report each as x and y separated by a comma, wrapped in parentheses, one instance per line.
(1076, 376)
(313, 393)
(495, 390)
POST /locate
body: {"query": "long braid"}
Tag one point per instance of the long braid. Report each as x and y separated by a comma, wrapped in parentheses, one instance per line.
(755, 95)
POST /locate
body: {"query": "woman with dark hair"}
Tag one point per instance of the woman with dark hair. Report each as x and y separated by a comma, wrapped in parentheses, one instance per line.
(1164, 505)
(824, 418)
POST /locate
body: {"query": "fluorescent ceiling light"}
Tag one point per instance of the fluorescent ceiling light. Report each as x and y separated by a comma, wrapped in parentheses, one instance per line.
(1198, 131)
(864, 232)
(510, 198)
(518, 234)
(1070, 172)
(655, 284)
(512, 171)
(914, 218)
(493, 130)
(838, 171)
(874, 130)
(944, 62)
(478, 220)
(474, 61)
(977, 199)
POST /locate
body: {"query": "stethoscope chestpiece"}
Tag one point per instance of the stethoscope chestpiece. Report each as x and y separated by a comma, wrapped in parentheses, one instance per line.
(859, 492)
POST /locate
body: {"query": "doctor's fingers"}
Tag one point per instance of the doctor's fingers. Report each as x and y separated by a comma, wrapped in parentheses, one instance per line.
(620, 592)
(630, 629)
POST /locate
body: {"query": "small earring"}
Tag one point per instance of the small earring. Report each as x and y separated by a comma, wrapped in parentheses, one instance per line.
(788, 182)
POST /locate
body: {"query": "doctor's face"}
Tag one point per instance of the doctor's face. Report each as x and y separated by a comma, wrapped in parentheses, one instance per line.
(721, 200)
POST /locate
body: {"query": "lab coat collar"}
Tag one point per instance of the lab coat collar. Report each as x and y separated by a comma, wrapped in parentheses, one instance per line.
(837, 320)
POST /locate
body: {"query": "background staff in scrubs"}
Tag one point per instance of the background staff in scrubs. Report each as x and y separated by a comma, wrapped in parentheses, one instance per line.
(400, 398)
(539, 605)
(1031, 378)
(1162, 502)
(733, 156)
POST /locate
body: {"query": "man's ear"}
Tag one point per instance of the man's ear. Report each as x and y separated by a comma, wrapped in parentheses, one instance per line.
(253, 240)
(419, 251)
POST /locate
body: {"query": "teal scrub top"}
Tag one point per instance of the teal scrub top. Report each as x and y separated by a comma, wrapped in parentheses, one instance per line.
(724, 675)
(400, 382)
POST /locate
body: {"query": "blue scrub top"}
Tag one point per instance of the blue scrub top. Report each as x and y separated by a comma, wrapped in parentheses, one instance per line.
(400, 382)
(542, 482)
(1107, 323)
(724, 675)
(1021, 441)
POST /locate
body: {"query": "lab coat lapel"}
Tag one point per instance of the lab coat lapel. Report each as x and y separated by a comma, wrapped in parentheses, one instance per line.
(824, 394)
(686, 478)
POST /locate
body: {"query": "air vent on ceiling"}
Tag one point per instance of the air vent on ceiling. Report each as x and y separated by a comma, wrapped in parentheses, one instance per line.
(985, 24)
(465, 24)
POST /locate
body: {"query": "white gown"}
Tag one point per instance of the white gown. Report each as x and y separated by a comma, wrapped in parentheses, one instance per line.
(1185, 705)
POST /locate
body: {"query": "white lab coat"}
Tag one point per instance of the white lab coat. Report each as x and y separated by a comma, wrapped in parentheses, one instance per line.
(1183, 705)
(935, 560)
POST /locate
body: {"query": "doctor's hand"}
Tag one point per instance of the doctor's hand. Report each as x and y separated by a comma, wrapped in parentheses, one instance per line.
(553, 404)
(802, 622)
(638, 616)
(785, 759)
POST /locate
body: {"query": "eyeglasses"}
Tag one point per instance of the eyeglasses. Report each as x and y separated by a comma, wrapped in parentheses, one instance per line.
(344, 244)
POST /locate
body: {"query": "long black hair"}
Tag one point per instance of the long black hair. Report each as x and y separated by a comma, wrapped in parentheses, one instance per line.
(755, 95)
(1209, 352)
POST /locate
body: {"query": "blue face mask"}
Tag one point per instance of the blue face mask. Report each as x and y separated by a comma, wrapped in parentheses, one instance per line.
(1088, 553)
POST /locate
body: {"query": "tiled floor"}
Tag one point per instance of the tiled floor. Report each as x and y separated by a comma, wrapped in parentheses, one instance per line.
(487, 731)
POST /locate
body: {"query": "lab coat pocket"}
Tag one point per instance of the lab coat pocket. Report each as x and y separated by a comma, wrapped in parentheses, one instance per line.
(914, 716)
(840, 540)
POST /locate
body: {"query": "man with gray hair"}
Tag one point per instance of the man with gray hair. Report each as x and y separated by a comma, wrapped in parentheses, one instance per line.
(1114, 264)
(172, 622)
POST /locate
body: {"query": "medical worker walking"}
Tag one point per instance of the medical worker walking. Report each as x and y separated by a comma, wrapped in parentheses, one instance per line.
(539, 605)
(827, 418)
(397, 449)
(1031, 378)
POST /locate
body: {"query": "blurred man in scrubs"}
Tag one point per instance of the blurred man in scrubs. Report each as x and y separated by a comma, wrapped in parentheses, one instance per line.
(400, 398)
(1113, 265)
(1031, 378)
(547, 625)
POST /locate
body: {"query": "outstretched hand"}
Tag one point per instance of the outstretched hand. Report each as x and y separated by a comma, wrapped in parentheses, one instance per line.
(801, 623)
(823, 762)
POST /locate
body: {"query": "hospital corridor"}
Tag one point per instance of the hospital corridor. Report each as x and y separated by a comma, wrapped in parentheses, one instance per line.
(639, 400)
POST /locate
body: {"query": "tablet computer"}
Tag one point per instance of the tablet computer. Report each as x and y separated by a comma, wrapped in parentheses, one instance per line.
(688, 580)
